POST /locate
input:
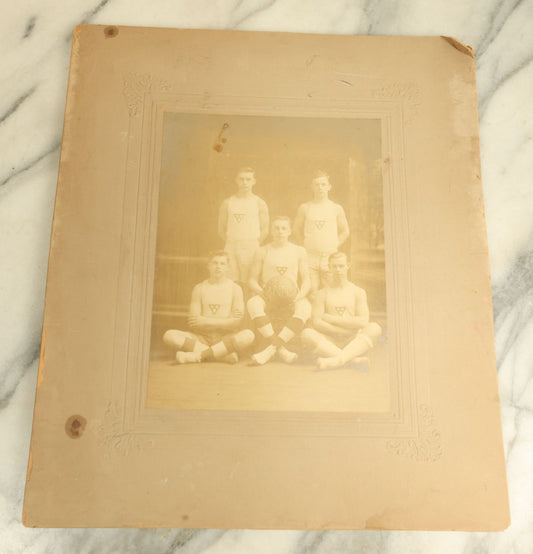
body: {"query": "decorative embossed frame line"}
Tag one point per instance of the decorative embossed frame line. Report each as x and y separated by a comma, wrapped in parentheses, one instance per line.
(148, 99)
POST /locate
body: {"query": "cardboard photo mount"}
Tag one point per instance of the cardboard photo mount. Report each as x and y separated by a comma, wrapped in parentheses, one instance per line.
(100, 458)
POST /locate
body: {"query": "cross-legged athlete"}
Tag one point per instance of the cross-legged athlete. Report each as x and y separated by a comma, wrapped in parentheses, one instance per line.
(243, 224)
(279, 257)
(215, 315)
(322, 226)
(342, 330)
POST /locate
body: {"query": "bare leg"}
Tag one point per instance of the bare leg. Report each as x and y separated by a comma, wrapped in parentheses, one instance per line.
(314, 276)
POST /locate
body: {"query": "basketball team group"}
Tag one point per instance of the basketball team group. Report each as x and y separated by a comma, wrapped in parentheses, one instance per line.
(293, 292)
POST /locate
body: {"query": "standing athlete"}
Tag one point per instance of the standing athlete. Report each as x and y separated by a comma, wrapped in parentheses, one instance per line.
(322, 225)
(215, 315)
(243, 225)
(279, 258)
(342, 331)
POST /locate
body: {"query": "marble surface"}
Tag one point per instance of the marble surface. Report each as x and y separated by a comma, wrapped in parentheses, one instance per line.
(35, 39)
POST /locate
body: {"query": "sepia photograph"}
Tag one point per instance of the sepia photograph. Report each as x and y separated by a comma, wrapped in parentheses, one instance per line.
(269, 279)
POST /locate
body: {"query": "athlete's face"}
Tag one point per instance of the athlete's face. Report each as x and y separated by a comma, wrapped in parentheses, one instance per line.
(245, 181)
(321, 187)
(281, 230)
(218, 266)
(338, 268)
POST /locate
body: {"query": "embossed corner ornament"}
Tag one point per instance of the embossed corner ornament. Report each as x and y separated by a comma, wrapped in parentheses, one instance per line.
(408, 93)
(427, 446)
(113, 437)
(135, 87)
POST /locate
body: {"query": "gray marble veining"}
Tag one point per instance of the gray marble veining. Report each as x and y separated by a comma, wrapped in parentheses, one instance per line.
(35, 43)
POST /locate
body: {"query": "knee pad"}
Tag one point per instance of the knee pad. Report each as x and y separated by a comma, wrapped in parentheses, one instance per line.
(256, 306)
(302, 309)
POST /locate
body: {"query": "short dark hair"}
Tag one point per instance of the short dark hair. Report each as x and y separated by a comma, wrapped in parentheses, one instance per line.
(281, 218)
(320, 173)
(216, 253)
(246, 170)
(337, 255)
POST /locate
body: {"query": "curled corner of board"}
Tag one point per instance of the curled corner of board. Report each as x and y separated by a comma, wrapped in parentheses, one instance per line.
(458, 45)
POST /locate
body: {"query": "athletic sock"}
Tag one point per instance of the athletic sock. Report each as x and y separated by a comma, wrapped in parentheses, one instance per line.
(187, 357)
(330, 363)
(264, 326)
(286, 355)
(265, 355)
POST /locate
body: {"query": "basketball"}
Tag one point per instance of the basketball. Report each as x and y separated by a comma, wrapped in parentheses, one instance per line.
(280, 292)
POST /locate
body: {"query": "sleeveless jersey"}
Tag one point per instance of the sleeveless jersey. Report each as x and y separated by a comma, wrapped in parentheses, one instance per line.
(341, 302)
(217, 299)
(243, 218)
(320, 229)
(281, 261)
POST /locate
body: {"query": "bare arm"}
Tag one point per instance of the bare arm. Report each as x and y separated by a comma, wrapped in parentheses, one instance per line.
(201, 323)
(237, 305)
(298, 226)
(255, 271)
(303, 271)
(195, 319)
(319, 323)
(223, 220)
(264, 221)
(343, 229)
(353, 322)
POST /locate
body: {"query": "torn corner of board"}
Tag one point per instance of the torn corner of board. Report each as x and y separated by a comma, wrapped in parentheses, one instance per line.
(458, 45)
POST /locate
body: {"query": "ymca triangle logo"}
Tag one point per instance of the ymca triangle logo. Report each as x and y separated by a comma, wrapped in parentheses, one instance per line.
(340, 309)
(281, 269)
(214, 308)
(238, 217)
(319, 223)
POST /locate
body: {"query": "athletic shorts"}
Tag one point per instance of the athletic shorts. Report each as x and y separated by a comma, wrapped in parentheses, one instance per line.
(340, 341)
(318, 261)
(241, 254)
(212, 338)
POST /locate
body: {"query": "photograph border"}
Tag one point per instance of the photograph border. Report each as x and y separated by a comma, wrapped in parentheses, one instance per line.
(148, 100)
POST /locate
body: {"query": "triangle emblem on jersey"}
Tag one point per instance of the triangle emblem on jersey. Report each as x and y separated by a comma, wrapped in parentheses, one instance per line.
(340, 309)
(320, 223)
(238, 217)
(214, 308)
(281, 269)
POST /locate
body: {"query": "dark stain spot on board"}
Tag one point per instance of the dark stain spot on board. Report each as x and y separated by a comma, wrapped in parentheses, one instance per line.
(29, 27)
(75, 426)
(185, 517)
(219, 143)
(111, 31)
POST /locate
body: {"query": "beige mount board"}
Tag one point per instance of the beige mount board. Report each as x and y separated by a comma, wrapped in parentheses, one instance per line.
(158, 123)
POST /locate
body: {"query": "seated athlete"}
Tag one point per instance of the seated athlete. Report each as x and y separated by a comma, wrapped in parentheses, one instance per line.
(243, 225)
(322, 226)
(279, 257)
(342, 331)
(215, 315)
